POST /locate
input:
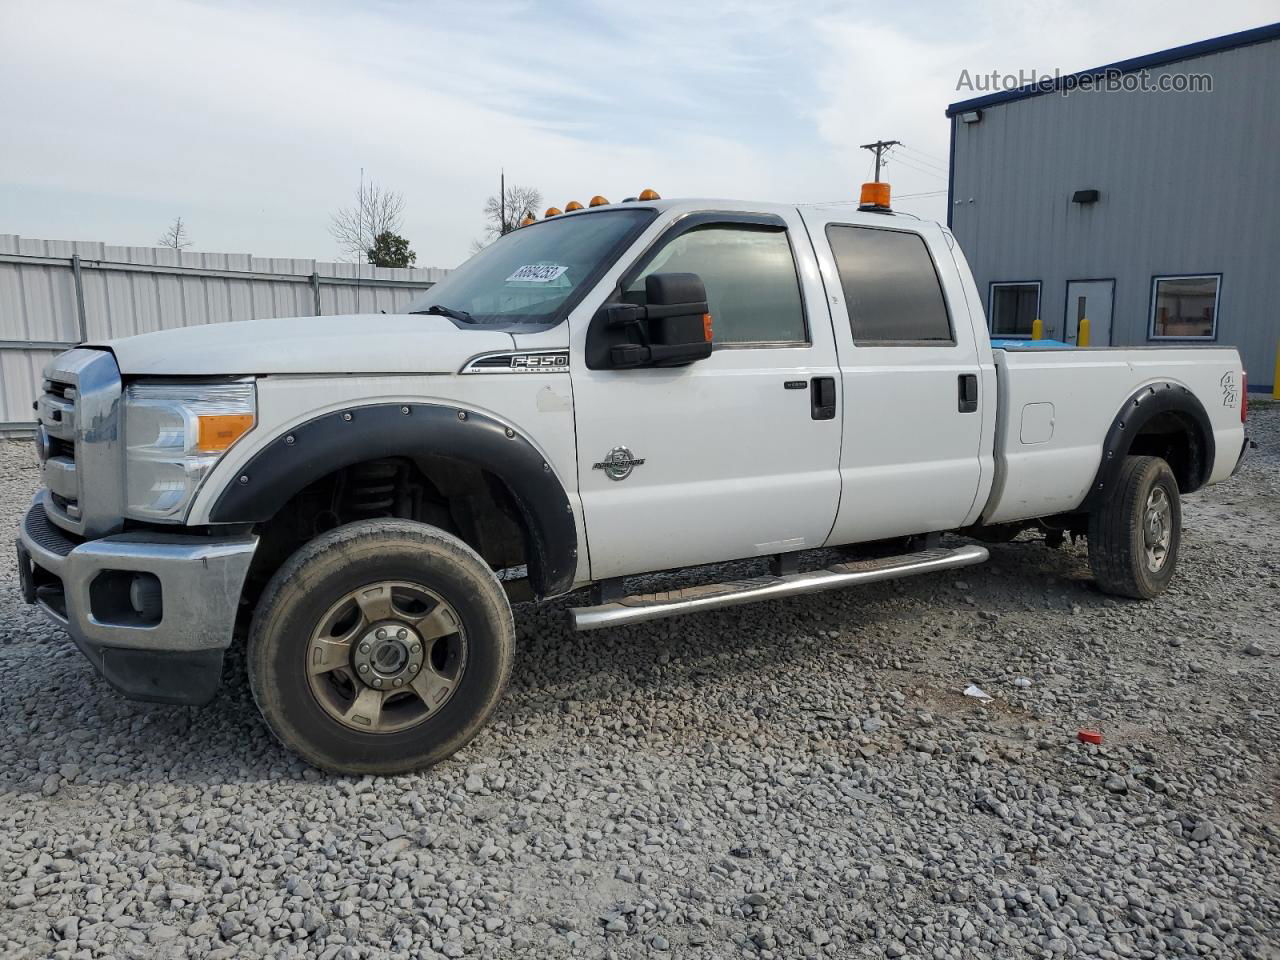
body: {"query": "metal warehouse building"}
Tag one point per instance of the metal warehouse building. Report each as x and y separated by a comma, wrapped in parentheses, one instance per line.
(1127, 195)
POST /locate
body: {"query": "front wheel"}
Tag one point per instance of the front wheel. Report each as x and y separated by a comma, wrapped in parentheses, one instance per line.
(380, 647)
(1134, 536)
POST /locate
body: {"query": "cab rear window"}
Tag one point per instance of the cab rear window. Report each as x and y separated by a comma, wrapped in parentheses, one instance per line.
(891, 287)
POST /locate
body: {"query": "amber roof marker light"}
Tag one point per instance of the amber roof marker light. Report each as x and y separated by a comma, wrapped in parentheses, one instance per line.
(552, 212)
(647, 194)
(572, 205)
(875, 197)
(528, 220)
(598, 201)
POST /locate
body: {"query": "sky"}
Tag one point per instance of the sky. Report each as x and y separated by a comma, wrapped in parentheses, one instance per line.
(252, 121)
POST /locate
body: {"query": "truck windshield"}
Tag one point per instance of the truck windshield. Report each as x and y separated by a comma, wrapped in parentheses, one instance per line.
(535, 274)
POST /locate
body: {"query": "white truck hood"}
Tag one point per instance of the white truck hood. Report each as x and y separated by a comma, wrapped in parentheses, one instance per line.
(354, 343)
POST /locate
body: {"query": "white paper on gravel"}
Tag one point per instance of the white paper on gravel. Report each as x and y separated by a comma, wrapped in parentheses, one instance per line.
(975, 691)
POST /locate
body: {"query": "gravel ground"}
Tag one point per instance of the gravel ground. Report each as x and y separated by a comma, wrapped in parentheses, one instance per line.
(788, 779)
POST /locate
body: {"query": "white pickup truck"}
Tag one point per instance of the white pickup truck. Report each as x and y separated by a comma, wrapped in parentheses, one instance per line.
(636, 387)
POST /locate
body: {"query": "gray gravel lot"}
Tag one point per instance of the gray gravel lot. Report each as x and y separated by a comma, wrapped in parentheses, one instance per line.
(788, 779)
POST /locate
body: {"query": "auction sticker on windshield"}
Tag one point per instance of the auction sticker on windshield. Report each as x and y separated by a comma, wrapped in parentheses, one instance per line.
(538, 273)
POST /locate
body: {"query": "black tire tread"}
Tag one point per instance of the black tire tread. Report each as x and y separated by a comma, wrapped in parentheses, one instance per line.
(1115, 531)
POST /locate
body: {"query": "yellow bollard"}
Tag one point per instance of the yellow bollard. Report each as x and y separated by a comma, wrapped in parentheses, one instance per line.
(1037, 329)
(1082, 335)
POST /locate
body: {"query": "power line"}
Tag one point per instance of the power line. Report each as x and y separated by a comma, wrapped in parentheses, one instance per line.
(928, 158)
(916, 164)
(897, 156)
(910, 165)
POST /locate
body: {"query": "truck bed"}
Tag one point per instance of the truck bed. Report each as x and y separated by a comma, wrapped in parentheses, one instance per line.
(1056, 407)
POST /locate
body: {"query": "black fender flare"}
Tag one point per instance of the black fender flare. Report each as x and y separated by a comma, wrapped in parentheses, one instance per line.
(1143, 406)
(300, 456)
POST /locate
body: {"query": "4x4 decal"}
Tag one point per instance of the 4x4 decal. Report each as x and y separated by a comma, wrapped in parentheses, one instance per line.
(1229, 394)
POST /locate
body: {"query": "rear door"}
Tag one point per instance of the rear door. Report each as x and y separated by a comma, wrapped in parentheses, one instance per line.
(910, 460)
(726, 457)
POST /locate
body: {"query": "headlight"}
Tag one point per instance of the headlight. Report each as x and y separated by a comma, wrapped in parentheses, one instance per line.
(174, 434)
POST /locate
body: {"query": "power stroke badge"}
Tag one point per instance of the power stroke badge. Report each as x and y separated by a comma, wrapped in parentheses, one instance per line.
(618, 464)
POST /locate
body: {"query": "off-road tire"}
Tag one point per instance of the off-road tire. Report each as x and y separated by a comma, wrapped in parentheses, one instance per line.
(345, 559)
(1118, 539)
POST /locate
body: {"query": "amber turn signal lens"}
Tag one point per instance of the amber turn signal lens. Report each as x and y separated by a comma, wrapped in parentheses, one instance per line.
(553, 212)
(706, 327)
(647, 194)
(218, 431)
(875, 195)
(599, 201)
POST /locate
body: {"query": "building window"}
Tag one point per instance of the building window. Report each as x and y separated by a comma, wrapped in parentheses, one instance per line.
(1014, 307)
(890, 286)
(1184, 308)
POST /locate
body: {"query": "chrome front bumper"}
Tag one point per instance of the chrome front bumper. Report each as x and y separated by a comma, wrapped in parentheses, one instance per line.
(173, 654)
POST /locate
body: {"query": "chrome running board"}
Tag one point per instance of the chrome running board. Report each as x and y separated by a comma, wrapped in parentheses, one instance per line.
(714, 596)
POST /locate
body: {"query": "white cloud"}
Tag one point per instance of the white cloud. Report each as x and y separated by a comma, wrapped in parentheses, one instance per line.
(253, 121)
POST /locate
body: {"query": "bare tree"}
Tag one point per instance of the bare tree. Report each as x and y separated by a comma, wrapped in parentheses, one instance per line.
(521, 202)
(176, 236)
(376, 211)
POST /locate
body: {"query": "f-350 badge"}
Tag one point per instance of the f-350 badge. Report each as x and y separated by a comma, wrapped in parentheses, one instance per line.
(618, 464)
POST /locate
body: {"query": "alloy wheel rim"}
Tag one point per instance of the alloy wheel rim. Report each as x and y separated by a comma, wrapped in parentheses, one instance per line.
(386, 656)
(1157, 528)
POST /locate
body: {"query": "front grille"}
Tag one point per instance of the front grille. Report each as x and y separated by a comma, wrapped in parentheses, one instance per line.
(58, 388)
(80, 441)
(57, 408)
(44, 533)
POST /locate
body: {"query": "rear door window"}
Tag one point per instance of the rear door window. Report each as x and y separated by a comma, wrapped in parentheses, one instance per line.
(891, 287)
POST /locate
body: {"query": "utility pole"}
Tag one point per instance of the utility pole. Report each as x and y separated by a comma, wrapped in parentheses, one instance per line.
(879, 148)
(502, 201)
(363, 254)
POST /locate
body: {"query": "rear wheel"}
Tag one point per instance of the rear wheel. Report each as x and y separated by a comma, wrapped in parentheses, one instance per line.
(380, 647)
(1134, 537)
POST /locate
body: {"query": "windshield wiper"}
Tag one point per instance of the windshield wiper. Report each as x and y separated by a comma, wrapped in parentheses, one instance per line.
(440, 310)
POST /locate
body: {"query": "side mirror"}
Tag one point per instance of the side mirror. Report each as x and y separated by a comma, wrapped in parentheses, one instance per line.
(672, 328)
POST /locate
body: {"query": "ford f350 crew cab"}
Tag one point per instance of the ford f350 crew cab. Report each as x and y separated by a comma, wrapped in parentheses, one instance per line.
(637, 387)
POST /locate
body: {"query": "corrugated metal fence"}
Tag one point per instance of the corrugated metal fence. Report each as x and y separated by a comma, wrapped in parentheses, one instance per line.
(55, 294)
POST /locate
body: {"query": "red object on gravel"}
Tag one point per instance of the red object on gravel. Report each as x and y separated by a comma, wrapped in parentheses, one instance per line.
(1089, 736)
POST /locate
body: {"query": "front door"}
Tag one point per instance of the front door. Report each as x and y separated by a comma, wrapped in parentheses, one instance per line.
(1092, 299)
(726, 457)
(915, 389)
